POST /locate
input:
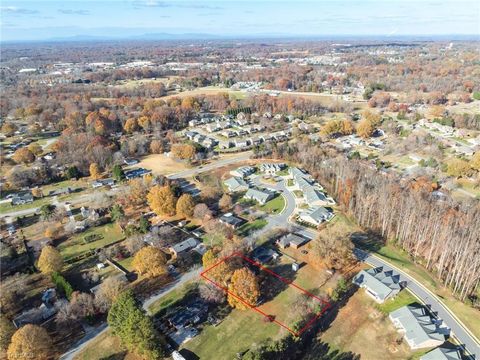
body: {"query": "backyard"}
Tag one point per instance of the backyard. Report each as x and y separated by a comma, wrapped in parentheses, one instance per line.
(102, 235)
(238, 332)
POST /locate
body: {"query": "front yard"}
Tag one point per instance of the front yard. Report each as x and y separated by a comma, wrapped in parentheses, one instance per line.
(274, 206)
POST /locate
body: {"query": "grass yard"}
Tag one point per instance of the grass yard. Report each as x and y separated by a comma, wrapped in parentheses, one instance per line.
(359, 324)
(8, 207)
(405, 297)
(105, 346)
(76, 245)
(274, 206)
(239, 331)
(252, 226)
(162, 165)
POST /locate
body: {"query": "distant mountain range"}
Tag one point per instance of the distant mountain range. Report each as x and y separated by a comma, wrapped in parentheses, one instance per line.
(201, 36)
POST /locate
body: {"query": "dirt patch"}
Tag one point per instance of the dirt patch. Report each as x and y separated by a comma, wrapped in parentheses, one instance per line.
(161, 164)
(359, 323)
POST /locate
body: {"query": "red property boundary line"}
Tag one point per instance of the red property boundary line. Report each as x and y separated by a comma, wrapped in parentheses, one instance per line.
(326, 304)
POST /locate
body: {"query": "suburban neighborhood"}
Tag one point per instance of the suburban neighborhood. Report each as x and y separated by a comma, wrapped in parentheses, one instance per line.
(235, 180)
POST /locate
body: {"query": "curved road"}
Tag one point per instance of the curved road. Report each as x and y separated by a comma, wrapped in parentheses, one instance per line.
(459, 330)
(429, 299)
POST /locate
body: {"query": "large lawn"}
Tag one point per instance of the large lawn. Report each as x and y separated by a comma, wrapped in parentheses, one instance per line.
(76, 245)
(239, 331)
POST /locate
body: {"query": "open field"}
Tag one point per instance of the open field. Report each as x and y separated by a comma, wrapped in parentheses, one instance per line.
(209, 90)
(360, 323)
(161, 164)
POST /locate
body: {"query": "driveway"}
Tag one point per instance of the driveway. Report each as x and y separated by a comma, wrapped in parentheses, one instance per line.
(428, 298)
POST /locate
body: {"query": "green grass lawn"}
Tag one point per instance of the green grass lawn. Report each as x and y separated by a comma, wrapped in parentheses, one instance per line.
(239, 331)
(290, 182)
(252, 226)
(76, 244)
(283, 172)
(274, 206)
(405, 297)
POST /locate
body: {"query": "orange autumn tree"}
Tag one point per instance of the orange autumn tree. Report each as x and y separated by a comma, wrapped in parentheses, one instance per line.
(162, 200)
(30, 342)
(150, 261)
(244, 284)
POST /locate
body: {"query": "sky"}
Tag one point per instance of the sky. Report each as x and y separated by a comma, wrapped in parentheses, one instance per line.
(44, 20)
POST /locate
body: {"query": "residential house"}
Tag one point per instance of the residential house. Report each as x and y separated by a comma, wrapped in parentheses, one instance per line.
(235, 184)
(231, 220)
(259, 195)
(213, 127)
(418, 327)
(243, 171)
(183, 246)
(135, 173)
(130, 162)
(264, 255)
(311, 191)
(103, 182)
(225, 144)
(315, 215)
(189, 315)
(272, 168)
(380, 284)
(242, 143)
(242, 122)
(190, 134)
(21, 198)
(293, 240)
(443, 353)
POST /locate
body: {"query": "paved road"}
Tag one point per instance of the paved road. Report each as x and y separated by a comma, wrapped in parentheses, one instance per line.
(182, 174)
(92, 333)
(428, 298)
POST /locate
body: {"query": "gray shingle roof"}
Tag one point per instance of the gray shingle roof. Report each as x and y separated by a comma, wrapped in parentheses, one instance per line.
(417, 323)
(236, 183)
(442, 353)
(380, 282)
